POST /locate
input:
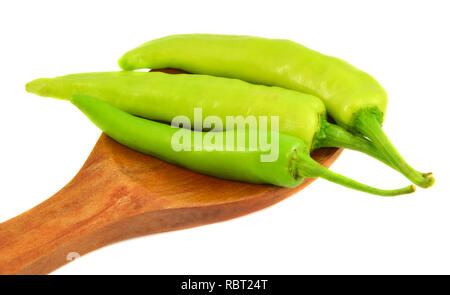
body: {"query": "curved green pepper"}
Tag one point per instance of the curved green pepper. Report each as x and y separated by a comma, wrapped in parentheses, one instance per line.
(162, 97)
(352, 97)
(156, 139)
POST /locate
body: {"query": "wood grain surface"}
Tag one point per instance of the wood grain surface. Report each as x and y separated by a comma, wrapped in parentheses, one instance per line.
(120, 194)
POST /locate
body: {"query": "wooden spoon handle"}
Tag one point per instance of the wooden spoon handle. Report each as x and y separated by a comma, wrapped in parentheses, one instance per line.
(45, 236)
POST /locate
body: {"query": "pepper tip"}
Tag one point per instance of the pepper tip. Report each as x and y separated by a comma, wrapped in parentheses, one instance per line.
(31, 87)
(430, 179)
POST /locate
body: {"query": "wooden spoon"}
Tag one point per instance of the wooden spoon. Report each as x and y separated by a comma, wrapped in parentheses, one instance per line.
(120, 194)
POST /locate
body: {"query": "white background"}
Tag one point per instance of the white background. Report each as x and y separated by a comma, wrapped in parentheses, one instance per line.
(325, 229)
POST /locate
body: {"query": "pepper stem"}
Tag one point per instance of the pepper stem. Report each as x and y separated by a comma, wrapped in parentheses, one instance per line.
(305, 166)
(368, 123)
(332, 135)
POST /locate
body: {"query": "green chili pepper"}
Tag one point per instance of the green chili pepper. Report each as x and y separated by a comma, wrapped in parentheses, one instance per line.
(160, 96)
(352, 97)
(240, 163)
